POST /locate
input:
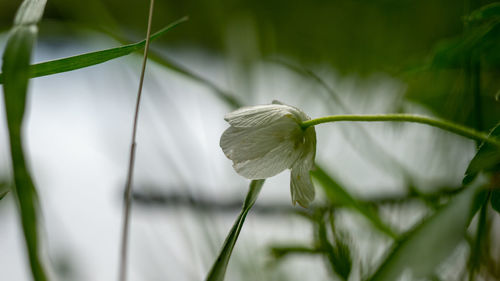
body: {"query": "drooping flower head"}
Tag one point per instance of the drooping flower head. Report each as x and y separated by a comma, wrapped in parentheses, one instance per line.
(264, 140)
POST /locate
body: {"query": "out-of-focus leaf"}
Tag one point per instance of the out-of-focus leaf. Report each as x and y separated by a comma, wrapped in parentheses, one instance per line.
(16, 60)
(479, 248)
(487, 158)
(426, 246)
(338, 254)
(279, 252)
(4, 189)
(487, 12)
(482, 38)
(495, 200)
(225, 96)
(93, 58)
(342, 258)
(218, 270)
(337, 195)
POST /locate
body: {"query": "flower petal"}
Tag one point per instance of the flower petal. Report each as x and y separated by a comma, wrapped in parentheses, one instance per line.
(259, 115)
(274, 162)
(301, 186)
(263, 152)
(241, 144)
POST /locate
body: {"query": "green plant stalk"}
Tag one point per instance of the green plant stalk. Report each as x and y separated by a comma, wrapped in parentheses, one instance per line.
(439, 123)
(16, 60)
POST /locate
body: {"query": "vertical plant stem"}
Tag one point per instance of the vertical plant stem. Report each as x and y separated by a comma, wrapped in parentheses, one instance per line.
(122, 275)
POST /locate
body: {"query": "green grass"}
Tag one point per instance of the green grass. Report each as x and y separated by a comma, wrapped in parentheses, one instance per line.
(16, 60)
(93, 58)
(218, 270)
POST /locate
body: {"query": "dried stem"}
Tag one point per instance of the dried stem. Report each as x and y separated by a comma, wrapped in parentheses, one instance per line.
(128, 186)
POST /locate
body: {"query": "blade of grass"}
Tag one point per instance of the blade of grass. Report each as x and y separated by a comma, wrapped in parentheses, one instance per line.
(339, 196)
(93, 58)
(427, 245)
(218, 270)
(4, 189)
(16, 60)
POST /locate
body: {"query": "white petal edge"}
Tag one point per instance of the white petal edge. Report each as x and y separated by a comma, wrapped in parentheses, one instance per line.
(260, 115)
(301, 186)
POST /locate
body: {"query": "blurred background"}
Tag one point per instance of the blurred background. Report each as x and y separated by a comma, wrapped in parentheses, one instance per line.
(325, 57)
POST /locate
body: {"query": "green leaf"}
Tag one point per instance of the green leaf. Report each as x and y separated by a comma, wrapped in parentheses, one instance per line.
(338, 254)
(93, 58)
(342, 258)
(218, 270)
(451, 53)
(479, 248)
(495, 199)
(487, 12)
(16, 59)
(487, 158)
(337, 195)
(426, 246)
(279, 252)
(4, 189)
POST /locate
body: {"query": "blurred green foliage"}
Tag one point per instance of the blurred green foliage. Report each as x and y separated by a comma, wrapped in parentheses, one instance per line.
(4, 189)
(444, 50)
(358, 35)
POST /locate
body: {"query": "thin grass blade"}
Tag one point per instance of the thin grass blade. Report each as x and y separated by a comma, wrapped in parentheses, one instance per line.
(16, 60)
(218, 270)
(93, 58)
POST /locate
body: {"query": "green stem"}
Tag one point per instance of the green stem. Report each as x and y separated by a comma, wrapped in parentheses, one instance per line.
(442, 124)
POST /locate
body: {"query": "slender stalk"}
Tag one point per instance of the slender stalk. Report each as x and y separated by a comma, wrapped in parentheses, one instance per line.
(442, 124)
(122, 276)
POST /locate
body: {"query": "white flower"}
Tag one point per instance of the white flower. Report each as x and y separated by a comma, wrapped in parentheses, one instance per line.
(264, 140)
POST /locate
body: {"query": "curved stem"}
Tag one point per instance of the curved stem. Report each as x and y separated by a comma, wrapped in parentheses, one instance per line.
(439, 123)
